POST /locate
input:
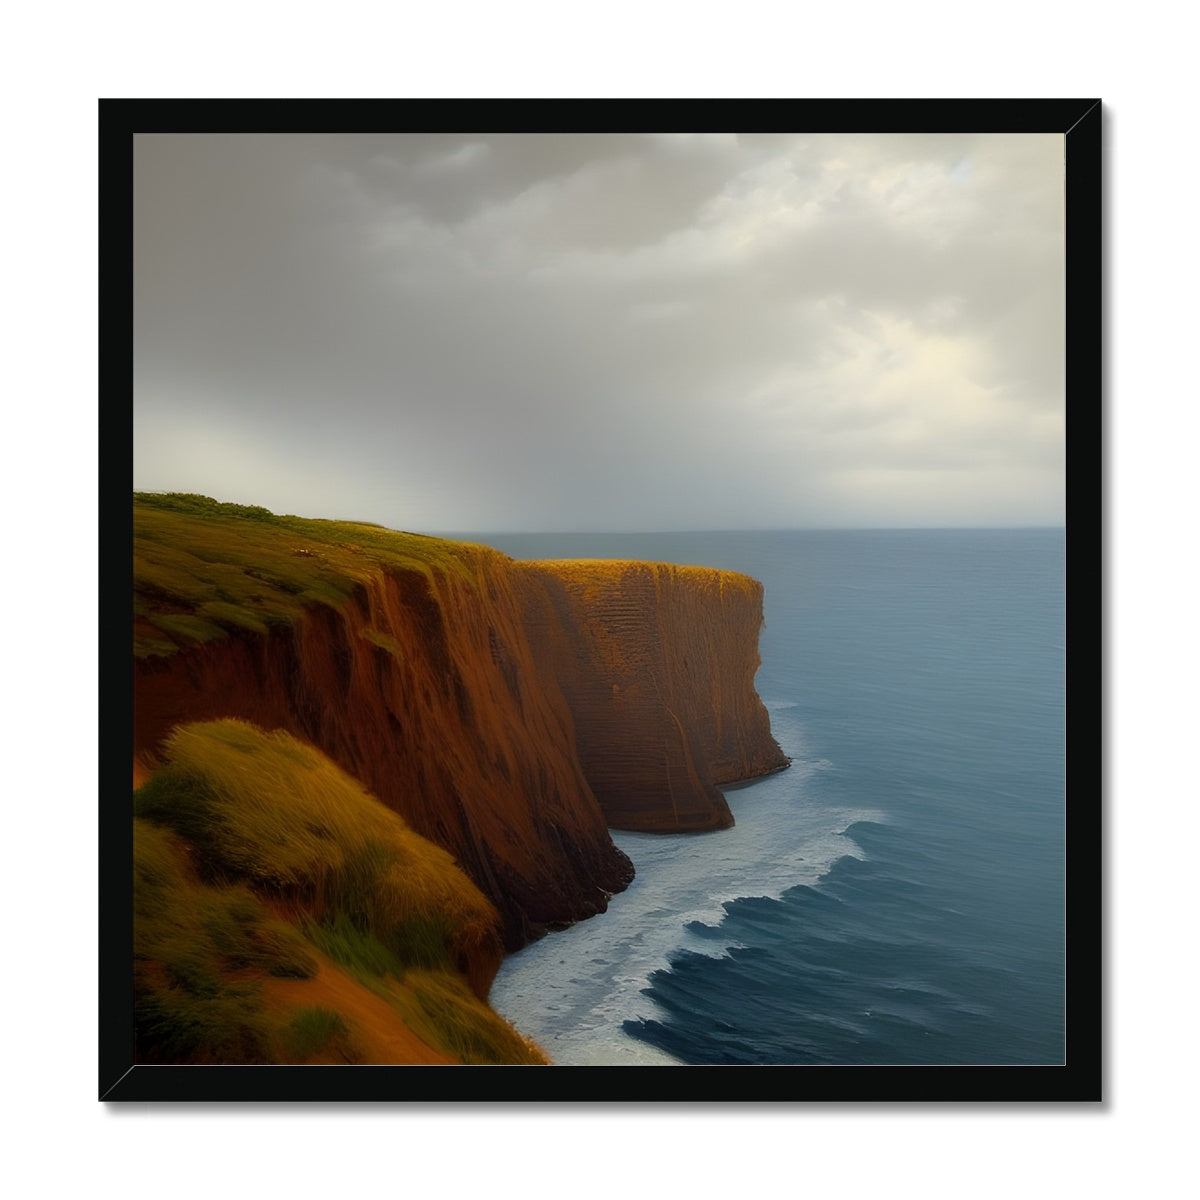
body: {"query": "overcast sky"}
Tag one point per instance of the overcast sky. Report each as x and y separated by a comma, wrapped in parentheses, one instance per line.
(627, 332)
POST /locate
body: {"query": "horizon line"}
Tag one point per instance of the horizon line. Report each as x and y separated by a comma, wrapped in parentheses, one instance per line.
(746, 529)
(446, 532)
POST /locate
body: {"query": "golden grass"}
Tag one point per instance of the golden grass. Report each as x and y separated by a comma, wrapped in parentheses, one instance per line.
(239, 825)
(438, 1006)
(269, 809)
(226, 923)
(200, 951)
(607, 573)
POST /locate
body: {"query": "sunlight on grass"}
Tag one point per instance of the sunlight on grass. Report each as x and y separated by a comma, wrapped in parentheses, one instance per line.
(276, 812)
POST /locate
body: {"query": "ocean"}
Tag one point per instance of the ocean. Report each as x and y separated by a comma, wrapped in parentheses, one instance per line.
(896, 895)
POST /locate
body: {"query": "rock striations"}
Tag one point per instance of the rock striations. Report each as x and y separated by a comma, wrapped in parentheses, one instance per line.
(657, 663)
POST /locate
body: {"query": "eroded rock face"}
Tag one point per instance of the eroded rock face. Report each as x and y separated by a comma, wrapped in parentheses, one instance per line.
(657, 663)
(509, 712)
(423, 688)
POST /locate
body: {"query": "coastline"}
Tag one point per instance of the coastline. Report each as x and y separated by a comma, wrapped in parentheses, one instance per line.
(574, 990)
(512, 716)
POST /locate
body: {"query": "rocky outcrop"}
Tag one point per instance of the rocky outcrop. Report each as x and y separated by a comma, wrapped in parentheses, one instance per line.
(657, 663)
(508, 711)
(424, 689)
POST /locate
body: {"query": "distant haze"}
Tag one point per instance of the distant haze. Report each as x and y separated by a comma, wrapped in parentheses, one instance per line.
(594, 332)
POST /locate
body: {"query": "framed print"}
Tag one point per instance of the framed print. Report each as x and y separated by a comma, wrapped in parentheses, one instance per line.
(607, 584)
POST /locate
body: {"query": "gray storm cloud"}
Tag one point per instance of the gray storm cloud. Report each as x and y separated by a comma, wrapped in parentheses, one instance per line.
(604, 332)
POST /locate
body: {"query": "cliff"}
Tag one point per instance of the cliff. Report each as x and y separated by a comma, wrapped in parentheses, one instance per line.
(657, 663)
(507, 711)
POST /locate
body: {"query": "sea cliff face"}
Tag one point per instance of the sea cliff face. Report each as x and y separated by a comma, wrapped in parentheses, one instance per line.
(508, 711)
(657, 663)
(424, 689)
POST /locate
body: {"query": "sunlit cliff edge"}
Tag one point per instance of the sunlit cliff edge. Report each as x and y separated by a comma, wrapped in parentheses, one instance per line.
(507, 713)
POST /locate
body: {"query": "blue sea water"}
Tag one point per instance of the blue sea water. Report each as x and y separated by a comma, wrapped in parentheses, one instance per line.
(896, 895)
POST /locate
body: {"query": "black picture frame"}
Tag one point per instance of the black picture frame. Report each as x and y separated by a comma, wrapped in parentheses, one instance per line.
(1080, 1077)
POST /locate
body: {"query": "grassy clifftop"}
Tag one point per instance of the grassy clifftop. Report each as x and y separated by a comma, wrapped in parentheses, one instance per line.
(403, 658)
(280, 910)
(203, 569)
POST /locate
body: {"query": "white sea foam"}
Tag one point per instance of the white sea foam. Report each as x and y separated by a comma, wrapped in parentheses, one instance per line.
(572, 990)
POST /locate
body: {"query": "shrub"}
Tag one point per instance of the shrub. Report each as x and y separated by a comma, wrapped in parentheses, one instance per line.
(237, 817)
(314, 1030)
(276, 813)
(188, 938)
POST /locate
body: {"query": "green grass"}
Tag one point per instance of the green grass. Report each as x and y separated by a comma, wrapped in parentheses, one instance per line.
(315, 1030)
(447, 1011)
(227, 568)
(226, 1025)
(360, 952)
(384, 641)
